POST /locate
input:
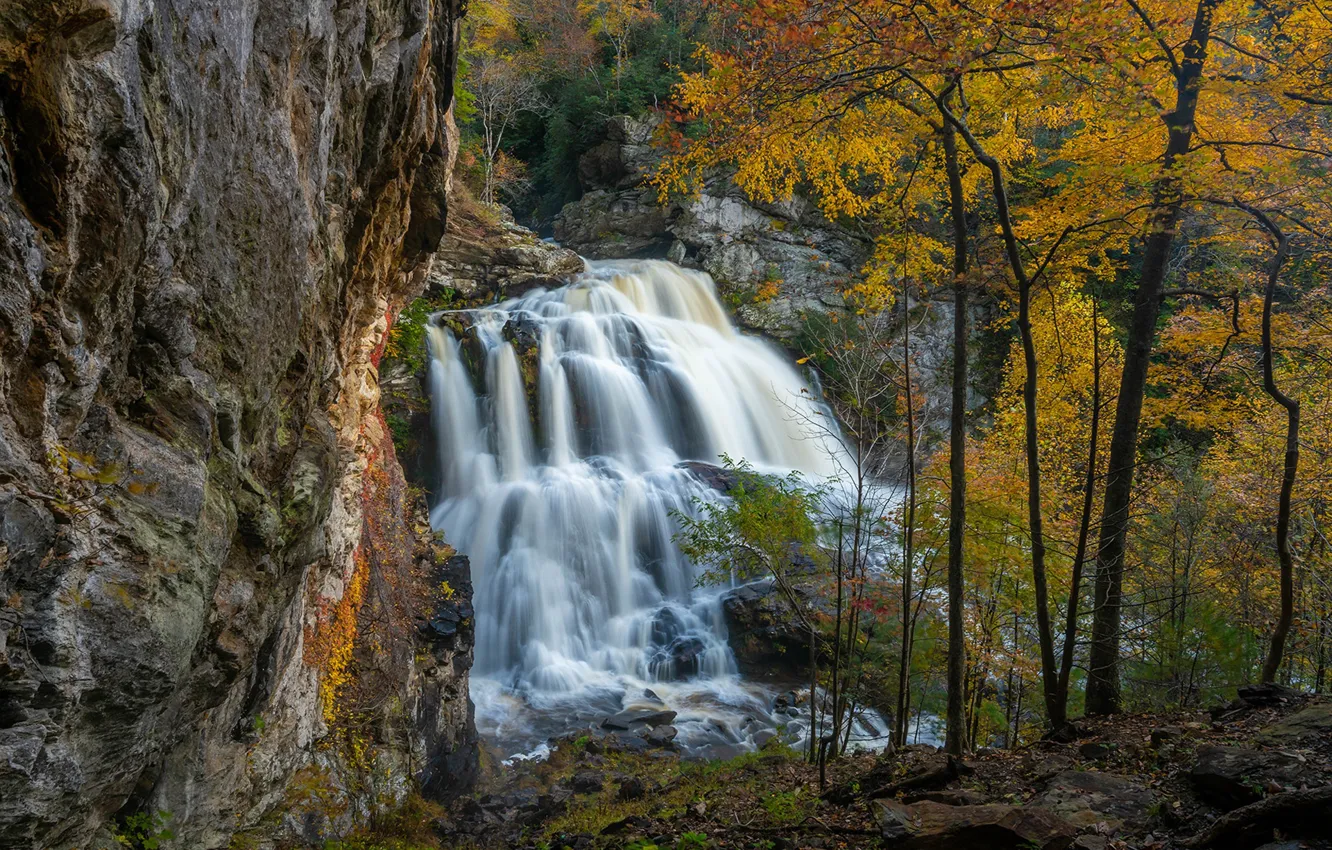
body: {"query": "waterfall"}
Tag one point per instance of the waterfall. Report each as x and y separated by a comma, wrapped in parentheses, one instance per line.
(562, 419)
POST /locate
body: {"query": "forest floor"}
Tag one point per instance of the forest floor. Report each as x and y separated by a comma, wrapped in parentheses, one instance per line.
(1255, 772)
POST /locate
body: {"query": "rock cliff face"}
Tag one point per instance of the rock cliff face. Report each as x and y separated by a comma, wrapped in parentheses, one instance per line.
(775, 262)
(208, 210)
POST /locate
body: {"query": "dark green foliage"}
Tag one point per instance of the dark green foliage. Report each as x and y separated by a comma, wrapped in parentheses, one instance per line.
(551, 143)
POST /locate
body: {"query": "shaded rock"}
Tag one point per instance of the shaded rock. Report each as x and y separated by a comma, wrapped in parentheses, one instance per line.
(1086, 798)
(1267, 694)
(631, 788)
(624, 742)
(1228, 777)
(1042, 767)
(1096, 750)
(630, 718)
(686, 656)
(633, 823)
(948, 797)
(923, 749)
(1165, 735)
(1309, 724)
(716, 477)
(762, 631)
(661, 736)
(935, 826)
(587, 782)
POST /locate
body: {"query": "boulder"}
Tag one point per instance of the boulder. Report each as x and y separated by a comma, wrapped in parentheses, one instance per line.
(1310, 724)
(763, 632)
(661, 736)
(686, 656)
(1086, 798)
(716, 477)
(1165, 735)
(587, 782)
(630, 718)
(948, 797)
(935, 826)
(1268, 694)
(1229, 777)
(1041, 767)
(1096, 750)
(631, 788)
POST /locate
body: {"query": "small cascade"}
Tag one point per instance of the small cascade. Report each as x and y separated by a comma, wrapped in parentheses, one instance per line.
(559, 480)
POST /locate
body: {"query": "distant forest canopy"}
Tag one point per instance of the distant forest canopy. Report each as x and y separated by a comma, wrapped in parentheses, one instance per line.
(1139, 517)
(539, 79)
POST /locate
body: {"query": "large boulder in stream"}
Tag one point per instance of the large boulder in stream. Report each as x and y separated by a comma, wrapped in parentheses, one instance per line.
(764, 633)
(632, 717)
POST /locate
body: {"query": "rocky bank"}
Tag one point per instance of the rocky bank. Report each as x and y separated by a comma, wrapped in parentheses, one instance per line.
(208, 214)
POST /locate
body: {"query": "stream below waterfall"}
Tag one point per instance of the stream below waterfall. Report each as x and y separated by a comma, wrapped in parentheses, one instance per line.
(563, 418)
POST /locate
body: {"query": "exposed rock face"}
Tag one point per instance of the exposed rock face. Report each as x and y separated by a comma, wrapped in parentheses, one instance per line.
(777, 261)
(763, 632)
(935, 826)
(1310, 724)
(1087, 798)
(485, 256)
(1228, 777)
(206, 213)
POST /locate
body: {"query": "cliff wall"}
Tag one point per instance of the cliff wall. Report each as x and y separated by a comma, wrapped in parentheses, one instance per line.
(209, 211)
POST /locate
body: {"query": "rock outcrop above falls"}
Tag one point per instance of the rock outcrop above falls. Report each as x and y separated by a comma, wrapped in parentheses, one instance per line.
(206, 215)
(774, 262)
(486, 257)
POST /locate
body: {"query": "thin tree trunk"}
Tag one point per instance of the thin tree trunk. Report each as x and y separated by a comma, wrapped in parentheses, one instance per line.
(1103, 695)
(956, 737)
(1084, 524)
(1292, 460)
(1044, 631)
(813, 696)
(837, 658)
(908, 534)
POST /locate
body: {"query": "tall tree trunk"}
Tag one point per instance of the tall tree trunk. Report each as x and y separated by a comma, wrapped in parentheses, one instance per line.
(1103, 668)
(1292, 460)
(955, 738)
(1045, 634)
(908, 535)
(1084, 525)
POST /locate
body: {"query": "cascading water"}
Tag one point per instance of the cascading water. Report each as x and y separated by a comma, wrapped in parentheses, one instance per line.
(561, 467)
